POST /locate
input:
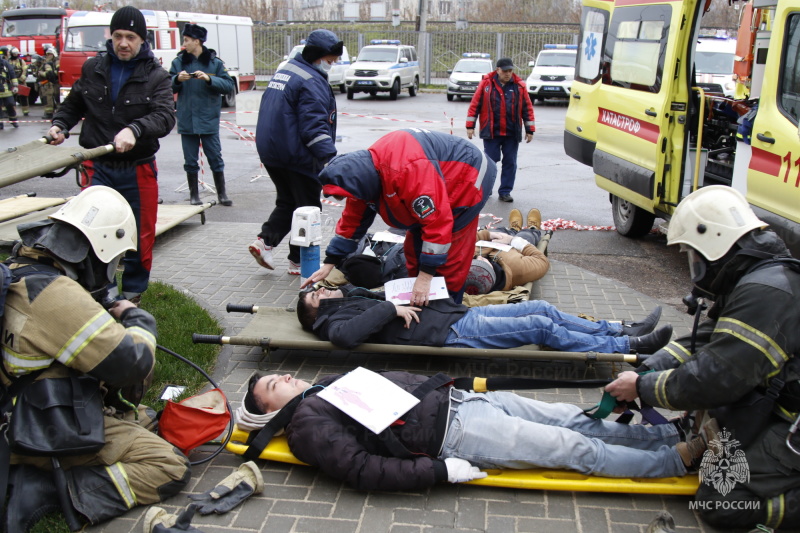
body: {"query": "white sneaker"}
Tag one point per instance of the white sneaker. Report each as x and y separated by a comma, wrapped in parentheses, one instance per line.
(294, 268)
(262, 253)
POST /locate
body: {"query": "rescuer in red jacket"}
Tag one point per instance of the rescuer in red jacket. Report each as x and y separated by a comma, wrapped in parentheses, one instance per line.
(432, 184)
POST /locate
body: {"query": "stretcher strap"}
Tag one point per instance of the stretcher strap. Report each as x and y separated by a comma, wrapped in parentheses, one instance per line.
(608, 403)
(488, 384)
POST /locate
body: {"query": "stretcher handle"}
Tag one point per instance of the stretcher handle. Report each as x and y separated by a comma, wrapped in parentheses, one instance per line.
(198, 338)
(241, 308)
(49, 138)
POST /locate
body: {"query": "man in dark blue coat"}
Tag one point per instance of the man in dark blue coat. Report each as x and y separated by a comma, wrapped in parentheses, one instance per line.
(199, 77)
(295, 138)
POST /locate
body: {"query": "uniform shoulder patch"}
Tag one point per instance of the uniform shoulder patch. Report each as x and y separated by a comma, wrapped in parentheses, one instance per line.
(423, 206)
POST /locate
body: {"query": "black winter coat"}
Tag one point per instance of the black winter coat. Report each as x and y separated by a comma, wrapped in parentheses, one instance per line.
(321, 435)
(364, 316)
(144, 104)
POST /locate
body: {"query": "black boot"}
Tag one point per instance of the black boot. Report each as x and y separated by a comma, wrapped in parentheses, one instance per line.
(33, 495)
(652, 342)
(637, 329)
(194, 193)
(219, 183)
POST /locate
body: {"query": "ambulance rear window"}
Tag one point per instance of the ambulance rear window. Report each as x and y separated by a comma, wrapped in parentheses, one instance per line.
(789, 90)
(636, 45)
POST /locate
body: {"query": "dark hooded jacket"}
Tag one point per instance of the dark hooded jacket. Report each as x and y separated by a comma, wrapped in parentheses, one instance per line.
(750, 335)
(321, 435)
(144, 104)
(365, 316)
(199, 103)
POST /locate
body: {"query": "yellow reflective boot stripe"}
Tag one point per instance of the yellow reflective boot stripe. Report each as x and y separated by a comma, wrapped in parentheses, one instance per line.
(84, 336)
(147, 337)
(677, 351)
(754, 338)
(775, 510)
(661, 389)
(120, 479)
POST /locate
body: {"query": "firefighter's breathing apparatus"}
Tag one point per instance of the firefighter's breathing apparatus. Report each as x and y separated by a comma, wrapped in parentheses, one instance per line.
(107, 302)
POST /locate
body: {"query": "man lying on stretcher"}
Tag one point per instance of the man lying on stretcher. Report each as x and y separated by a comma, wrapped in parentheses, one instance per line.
(451, 433)
(349, 316)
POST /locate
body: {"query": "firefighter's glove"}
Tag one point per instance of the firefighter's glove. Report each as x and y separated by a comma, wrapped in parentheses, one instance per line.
(459, 470)
(231, 491)
(157, 520)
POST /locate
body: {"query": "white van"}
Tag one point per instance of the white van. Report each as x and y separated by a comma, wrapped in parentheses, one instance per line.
(385, 65)
(335, 76)
(713, 63)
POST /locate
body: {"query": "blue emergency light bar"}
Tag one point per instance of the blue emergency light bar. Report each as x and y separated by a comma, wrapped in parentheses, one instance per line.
(385, 41)
(476, 54)
(561, 47)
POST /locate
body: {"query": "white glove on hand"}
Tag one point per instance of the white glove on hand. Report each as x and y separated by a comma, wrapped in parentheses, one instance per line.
(459, 470)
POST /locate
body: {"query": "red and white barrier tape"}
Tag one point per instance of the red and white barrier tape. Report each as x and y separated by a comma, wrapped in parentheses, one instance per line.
(560, 223)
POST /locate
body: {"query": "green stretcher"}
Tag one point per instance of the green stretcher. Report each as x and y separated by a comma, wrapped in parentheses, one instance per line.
(534, 479)
(37, 158)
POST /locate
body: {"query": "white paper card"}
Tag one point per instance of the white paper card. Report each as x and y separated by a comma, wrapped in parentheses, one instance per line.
(496, 245)
(388, 236)
(369, 398)
(171, 392)
(398, 291)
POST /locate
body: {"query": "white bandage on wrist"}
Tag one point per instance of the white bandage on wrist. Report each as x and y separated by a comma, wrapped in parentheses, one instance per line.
(519, 243)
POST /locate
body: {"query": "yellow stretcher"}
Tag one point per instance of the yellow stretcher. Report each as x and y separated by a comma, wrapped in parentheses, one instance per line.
(537, 479)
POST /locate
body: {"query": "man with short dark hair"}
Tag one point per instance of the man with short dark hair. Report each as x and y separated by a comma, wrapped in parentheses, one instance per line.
(504, 107)
(452, 433)
(349, 316)
(125, 97)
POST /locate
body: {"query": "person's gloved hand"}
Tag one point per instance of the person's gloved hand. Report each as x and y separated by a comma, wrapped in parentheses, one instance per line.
(231, 491)
(157, 520)
(459, 470)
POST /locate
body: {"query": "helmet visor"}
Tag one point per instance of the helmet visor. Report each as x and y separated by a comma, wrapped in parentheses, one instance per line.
(697, 263)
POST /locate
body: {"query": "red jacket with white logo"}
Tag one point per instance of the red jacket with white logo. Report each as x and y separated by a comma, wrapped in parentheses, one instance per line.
(490, 101)
(417, 180)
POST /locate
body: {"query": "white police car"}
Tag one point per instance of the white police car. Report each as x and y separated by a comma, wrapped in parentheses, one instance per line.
(467, 74)
(553, 72)
(336, 74)
(384, 66)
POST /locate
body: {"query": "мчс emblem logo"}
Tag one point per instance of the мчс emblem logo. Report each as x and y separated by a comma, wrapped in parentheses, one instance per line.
(423, 206)
(723, 465)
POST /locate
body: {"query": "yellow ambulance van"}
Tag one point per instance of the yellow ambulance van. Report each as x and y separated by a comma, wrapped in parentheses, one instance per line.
(651, 135)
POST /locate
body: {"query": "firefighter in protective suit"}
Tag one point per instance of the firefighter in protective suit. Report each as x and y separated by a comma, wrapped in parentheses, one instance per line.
(54, 321)
(744, 364)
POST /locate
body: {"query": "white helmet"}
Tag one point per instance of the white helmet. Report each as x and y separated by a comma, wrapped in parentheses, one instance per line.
(481, 277)
(51, 50)
(14, 51)
(105, 218)
(711, 220)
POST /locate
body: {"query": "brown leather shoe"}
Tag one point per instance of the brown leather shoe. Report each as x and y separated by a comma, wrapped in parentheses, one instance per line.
(515, 219)
(534, 219)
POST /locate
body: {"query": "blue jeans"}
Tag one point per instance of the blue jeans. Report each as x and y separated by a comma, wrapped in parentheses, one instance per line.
(509, 146)
(504, 430)
(211, 147)
(534, 322)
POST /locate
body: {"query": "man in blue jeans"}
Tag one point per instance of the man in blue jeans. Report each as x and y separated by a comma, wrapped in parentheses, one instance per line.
(451, 433)
(502, 104)
(349, 316)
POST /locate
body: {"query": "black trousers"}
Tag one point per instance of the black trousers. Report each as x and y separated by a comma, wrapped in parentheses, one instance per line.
(294, 190)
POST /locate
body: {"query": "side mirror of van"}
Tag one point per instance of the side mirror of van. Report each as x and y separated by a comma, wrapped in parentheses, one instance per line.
(531, 63)
(404, 60)
(286, 58)
(449, 71)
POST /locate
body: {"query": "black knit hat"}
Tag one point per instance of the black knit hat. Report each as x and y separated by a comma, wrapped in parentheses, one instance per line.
(131, 19)
(195, 32)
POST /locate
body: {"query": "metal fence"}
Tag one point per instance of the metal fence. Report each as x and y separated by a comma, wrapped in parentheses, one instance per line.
(439, 50)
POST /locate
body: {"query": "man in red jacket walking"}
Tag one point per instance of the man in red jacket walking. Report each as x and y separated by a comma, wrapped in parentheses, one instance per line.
(505, 110)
